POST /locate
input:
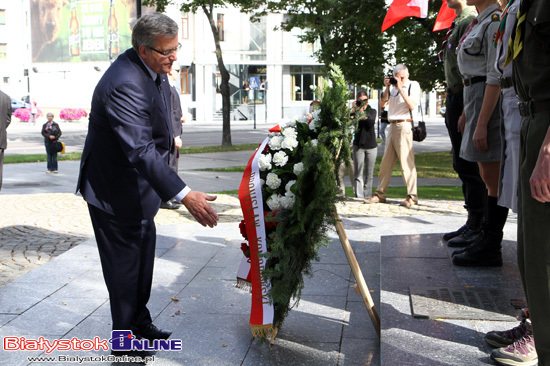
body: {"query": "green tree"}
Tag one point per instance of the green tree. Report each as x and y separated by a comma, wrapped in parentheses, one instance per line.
(208, 7)
(347, 31)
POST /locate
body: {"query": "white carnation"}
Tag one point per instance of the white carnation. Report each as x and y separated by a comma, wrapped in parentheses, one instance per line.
(287, 202)
(262, 182)
(298, 168)
(290, 132)
(289, 143)
(314, 142)
(288, 185)
(274, 202)
(312, 125)
(275, 142)
(264, 162)
(280, 158)
(273, 181)
(316, 115)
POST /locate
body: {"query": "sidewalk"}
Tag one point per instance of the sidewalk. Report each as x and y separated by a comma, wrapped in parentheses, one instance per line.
(193, 290)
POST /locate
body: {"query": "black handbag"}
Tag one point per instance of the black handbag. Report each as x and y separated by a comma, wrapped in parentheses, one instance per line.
(419, 131)
(56, 147)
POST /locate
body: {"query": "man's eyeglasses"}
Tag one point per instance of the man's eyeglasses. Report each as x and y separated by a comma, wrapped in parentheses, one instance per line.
(168, 52)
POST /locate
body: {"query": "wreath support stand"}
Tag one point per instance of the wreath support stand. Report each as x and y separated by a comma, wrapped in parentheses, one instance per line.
(359, 279)
(358, 274)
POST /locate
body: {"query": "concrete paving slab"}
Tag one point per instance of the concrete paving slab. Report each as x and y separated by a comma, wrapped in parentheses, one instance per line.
(410, 341)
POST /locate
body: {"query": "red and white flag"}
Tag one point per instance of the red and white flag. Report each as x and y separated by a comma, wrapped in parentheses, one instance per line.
(400, 9)
(445, 17)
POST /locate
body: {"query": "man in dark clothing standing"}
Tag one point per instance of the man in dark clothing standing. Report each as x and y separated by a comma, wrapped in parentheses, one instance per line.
(473, 188)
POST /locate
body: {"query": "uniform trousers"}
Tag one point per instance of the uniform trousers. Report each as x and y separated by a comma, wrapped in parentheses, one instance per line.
(399, 145)
(127, 252)
(473, 186)
(534, 235)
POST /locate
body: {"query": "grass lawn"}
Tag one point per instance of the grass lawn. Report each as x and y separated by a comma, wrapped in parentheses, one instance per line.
(428, 165)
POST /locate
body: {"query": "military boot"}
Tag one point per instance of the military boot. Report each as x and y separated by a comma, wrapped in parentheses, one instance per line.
(484, 252)
(471, 233)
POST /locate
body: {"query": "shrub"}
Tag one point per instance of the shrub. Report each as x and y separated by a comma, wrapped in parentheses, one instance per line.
(72, 114)
(24, 114)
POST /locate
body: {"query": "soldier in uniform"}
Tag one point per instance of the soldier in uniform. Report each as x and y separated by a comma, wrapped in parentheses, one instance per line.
(473, 188)
(480, 123)
(531, 78)
(516, 346)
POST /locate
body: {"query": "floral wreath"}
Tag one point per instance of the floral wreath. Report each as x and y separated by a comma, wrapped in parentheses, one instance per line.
(288, 195)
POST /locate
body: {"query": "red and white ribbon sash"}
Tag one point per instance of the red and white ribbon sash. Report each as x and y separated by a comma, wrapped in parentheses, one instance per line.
(250, 196)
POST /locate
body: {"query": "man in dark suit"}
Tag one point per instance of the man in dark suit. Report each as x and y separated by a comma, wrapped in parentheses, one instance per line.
(124, 171)
(5, 119)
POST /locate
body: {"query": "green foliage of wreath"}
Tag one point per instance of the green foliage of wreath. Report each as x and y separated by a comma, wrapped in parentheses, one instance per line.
(302, 230)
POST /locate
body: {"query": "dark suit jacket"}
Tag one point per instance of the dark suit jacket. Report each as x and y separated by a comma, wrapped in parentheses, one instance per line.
(5, 118)
(124, 168)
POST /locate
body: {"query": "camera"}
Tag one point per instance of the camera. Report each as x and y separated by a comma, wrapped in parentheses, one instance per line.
(393, 81)
(358, 103)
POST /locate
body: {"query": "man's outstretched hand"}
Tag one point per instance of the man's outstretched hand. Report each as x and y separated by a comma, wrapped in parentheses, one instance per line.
(197, 205)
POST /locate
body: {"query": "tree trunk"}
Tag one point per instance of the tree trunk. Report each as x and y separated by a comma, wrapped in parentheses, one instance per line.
(224, 87)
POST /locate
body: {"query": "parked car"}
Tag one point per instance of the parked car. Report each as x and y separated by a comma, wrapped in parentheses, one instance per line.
(16, 104)
(442, 111)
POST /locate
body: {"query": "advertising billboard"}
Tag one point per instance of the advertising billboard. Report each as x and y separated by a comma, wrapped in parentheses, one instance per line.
(80, 30)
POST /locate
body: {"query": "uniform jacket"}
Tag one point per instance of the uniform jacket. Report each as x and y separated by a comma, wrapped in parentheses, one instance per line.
(124, 168)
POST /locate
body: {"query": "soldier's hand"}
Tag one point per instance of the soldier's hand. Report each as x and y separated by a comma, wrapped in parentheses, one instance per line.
(540, 178)
(480, 138)
(461, 123)
(197, 205)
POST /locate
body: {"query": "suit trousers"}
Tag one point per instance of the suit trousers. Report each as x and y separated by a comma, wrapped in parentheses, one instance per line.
(127, 252)
(399, 145)
(473, 187)
(1, 166)
(534, 235)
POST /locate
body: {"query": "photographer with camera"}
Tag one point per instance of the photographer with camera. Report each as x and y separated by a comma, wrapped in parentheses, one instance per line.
(365, 147)
(401, 96)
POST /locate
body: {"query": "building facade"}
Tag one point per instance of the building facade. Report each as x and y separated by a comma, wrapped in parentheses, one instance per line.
(56, 51)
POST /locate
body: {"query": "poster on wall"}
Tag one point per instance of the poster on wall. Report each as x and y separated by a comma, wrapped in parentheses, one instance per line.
(80, 30)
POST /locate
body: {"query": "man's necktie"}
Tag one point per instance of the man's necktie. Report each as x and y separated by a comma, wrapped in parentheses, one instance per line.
(445, 41)
(158, 82)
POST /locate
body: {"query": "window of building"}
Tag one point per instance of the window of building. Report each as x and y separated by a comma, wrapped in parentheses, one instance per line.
(185, 25)
(221, 32)
(184, 78)
(2, 16)
(6, 79)
(3, 50)
(304, 81)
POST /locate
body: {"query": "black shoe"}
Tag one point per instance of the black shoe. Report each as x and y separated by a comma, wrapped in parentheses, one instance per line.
(151, 332)
(466, 238)
(169, 205)
(454, 234)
